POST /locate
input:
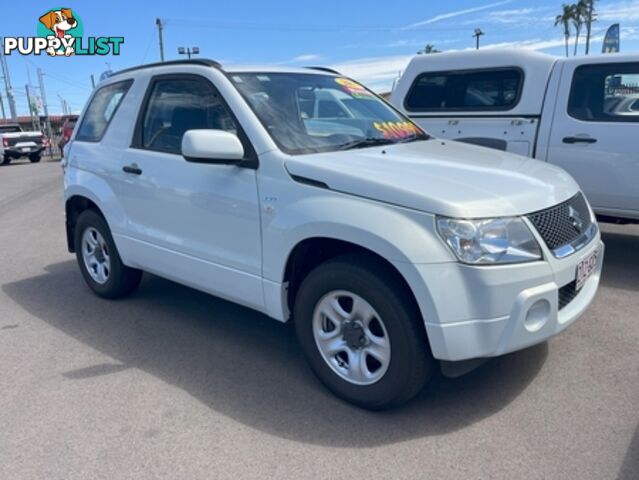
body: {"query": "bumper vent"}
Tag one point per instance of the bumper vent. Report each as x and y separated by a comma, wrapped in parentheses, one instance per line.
(567, 294)
(563, 224)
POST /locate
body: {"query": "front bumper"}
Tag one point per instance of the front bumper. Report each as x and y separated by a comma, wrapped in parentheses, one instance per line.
(490, 311)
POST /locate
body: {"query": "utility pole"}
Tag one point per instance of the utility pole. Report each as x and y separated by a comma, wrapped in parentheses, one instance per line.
(160, 25)
(63, 104)
(45, 107)
(478, 33)
(589, 24)
(7, 85)
(4, 117)
(33, 122)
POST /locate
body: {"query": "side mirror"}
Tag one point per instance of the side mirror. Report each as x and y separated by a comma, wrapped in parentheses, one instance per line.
(212, 146)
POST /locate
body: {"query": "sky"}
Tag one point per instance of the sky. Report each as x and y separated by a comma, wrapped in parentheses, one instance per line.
(369, 41)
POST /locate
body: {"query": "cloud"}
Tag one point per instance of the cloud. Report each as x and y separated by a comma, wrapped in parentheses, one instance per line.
(520, 16)
(540, 44)
(377, 73)
(622, 11)
(512, 12)
(445, 16)
(532, 44)
(309, 57)
(418, 42)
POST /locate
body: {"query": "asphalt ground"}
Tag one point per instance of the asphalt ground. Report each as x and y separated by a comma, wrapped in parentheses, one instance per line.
(172, 383)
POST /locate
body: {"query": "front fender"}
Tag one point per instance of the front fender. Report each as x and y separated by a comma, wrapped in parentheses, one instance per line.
(402, 236)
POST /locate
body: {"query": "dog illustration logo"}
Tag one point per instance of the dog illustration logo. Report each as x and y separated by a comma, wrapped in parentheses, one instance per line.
(60, 33)
(60, 22)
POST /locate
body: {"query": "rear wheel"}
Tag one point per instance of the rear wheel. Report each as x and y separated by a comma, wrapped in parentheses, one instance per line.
(99, 260)
(35, 158)
(362, 333)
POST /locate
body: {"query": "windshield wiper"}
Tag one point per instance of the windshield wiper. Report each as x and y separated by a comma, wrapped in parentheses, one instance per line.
(365, 142)
(413, 138)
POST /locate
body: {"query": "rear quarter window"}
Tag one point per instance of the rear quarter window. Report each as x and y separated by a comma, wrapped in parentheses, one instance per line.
(607, 92)
(100, 112)
(470, 90)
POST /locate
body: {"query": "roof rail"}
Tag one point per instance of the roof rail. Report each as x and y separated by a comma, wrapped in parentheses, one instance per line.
(195, 61)
(324, 69)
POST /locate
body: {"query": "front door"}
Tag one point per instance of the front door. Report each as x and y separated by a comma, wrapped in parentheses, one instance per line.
(192, 222)
(594, 134)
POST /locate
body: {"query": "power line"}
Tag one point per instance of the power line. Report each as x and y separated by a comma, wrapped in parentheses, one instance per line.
(68, 81)
(57, 76)
(148, 45)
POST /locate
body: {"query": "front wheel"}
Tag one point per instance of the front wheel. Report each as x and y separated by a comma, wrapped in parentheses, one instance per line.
(99, 260)
(35, 158)
(362, 333)
(6, 160)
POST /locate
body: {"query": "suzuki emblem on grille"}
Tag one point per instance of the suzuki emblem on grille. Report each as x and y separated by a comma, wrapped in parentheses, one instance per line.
(575, 219)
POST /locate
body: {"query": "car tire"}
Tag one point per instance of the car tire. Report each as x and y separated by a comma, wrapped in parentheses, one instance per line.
(35, 158)
(402, 362)
(6, 160)
(99, 260)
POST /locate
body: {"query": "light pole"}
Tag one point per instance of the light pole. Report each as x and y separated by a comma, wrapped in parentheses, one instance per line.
(478, 33)
(189, 51)
(160, 25)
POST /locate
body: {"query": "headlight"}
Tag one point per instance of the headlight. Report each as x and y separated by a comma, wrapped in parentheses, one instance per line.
(489, 241)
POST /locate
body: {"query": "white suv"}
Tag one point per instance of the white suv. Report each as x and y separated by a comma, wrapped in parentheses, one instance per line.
(388, 248)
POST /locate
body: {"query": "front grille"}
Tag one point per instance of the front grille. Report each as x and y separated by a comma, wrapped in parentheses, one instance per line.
(567, 294)
(564, 223)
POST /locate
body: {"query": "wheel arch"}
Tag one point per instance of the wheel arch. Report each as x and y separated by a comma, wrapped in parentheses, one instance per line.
(313, 251)
(73, 207)
(300, 263)
(82, 190)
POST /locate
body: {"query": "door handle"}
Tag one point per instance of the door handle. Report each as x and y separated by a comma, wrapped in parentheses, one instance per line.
(579, 140)
(132, 169)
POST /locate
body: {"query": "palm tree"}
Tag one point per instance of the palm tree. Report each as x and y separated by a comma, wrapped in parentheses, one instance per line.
(590, 17)
(564, 19)
(579, 14)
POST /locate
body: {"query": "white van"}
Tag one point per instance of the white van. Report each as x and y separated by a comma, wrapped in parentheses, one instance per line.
(578, 113)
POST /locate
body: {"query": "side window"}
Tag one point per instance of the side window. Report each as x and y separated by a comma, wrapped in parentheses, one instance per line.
(176, 105)
(100, 111)
(477, 90)
(605, 93)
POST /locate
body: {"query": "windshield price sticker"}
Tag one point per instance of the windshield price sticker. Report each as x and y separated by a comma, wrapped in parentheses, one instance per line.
(397, 130)
(353, 88)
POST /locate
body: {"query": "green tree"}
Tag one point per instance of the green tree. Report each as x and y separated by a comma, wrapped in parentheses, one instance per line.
(579, 15)
(590, 17)
(564, 20)
(429, 48)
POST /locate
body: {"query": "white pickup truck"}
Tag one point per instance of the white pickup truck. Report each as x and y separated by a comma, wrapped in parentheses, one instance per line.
(579, 113)
(16, 143)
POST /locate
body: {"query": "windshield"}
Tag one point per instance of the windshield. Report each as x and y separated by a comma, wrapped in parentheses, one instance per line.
(10, 129)
(309, 113)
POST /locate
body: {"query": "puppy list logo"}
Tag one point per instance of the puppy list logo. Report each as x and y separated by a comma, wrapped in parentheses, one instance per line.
(61, 33)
